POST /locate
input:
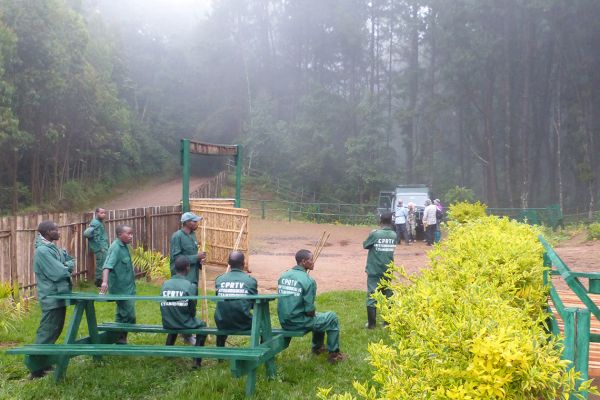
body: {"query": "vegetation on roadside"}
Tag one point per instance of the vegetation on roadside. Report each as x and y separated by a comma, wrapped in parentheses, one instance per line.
(472, 326)
(464, 212)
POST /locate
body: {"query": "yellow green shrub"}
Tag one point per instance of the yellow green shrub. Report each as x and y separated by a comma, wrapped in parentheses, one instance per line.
(464, 212)
(594, 231)
(12, 309)
(152, 263)
(471, 326)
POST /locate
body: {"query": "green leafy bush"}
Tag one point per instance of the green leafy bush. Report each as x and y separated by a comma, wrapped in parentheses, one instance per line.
(471, 326)
(11, 308)
(594, 231)
(465, 212)
(152, 263)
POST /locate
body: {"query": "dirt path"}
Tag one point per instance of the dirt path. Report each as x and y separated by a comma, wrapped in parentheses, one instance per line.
(153, 193)
(341, 264)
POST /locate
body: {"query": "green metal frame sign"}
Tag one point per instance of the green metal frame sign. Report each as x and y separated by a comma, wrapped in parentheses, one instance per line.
(189, 146)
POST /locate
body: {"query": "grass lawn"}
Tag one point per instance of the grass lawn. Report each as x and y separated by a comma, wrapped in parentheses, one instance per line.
(299, 373)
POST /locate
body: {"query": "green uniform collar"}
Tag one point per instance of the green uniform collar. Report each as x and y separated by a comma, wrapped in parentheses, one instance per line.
(299, 268)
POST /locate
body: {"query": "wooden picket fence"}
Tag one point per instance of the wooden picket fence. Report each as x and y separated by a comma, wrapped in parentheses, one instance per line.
(152, 229)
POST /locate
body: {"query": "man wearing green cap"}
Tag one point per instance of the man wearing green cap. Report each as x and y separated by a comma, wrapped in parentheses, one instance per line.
(52, 267)
(184, 243)
(234, 315)
(181, 314)
(297, 312)
(381, 244)
(118, 276)
(98, 241)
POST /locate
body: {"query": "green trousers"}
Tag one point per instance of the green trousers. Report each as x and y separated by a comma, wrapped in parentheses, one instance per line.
(326, 323)
(125, 311)
(51, 326)
(372, 283)
(100, 258)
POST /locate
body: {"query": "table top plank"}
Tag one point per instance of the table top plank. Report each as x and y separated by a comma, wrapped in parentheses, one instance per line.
(114, 297)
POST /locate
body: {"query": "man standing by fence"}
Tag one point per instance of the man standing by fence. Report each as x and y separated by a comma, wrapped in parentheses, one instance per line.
(98, 241)
(184, 243)
(52, 267)
(118, 276)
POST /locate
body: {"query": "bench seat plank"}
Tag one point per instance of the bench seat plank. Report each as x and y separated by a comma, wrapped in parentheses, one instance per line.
(250, 354)
(144, 328)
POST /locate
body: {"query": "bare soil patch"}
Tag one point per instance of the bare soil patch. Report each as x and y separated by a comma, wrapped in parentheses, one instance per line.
(341, 265)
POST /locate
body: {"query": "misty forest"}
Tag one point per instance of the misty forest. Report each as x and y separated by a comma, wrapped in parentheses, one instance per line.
(343, 98)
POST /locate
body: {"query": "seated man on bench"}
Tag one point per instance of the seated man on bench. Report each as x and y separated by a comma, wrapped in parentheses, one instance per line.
(181, 314)
(234, 315)
(297, 312)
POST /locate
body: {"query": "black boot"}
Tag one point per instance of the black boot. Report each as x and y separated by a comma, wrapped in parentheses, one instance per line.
(122, 339)
(171, 338)
(200, 340)
(371, 317)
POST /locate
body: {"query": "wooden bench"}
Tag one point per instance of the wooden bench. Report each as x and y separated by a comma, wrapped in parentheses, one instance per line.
(119, 327)
(265, 342)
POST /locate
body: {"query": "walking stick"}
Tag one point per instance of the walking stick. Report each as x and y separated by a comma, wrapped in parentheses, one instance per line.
(204, 302)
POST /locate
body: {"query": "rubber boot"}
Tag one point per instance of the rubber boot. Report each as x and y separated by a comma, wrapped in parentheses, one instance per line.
(200, 340)
(371, 317)
(122, 339)
(171, 338)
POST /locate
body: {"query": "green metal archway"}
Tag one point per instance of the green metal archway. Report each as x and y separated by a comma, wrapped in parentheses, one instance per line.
(189, 146)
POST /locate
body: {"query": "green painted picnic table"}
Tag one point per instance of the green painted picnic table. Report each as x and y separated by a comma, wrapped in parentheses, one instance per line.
(265, 342)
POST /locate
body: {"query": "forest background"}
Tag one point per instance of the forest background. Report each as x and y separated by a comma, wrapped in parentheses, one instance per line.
(343, 98)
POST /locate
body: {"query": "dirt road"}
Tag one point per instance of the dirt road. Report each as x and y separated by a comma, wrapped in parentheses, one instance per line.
(152, 193)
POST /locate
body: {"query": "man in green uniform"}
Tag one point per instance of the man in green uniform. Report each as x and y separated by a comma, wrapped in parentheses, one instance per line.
(381, 244)
(52, 267)
(297, 312)
(98, 241)
(184, 243)
(118, 276)
(181, 314)
(234, 315)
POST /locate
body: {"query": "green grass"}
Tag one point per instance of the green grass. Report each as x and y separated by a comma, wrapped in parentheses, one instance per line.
(299, 373)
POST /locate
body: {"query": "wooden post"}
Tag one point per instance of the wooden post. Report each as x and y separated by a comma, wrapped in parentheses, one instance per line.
(14, 276)
(582, 352)
(148, 245)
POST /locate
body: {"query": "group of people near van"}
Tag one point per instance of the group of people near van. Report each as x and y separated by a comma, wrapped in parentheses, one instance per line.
(406, 218)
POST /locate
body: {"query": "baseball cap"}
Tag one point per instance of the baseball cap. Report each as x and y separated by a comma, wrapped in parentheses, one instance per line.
(190, 216)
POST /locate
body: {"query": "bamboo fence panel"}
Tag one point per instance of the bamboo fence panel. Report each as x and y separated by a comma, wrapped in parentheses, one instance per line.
(223, 225)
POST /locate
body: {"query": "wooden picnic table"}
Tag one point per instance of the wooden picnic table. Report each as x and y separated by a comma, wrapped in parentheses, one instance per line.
(264, 344)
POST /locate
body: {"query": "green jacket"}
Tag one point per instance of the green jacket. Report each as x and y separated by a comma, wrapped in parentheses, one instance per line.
(235, 314)
(179, 314)
(381, 244)
(183, 244)
(292, 309)
(121, 279)
(52, 267)
(99, 240)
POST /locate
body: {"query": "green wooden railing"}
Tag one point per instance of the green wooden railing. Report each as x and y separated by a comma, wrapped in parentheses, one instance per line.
(577, 335)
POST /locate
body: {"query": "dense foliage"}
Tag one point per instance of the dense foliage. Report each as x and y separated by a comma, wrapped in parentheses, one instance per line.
(466, 212)
(65, 126)
(342, 98)
(472, 326)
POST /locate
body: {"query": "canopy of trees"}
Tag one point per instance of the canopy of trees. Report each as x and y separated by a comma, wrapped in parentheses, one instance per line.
(342, 97)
